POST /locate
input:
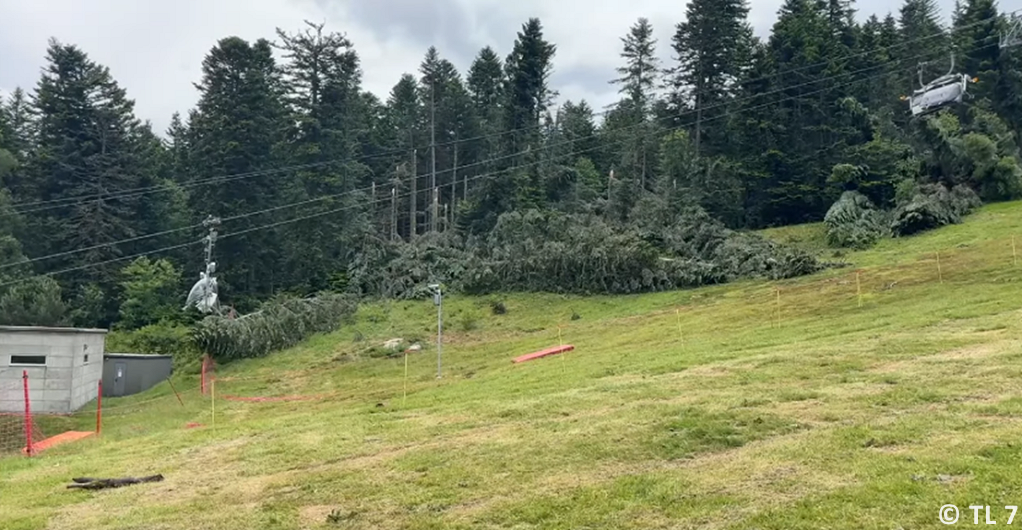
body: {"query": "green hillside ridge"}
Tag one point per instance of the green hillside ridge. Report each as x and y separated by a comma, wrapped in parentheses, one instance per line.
(769, 405)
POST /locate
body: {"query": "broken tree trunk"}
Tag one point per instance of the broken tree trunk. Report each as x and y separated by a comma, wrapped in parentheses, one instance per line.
(101, 483)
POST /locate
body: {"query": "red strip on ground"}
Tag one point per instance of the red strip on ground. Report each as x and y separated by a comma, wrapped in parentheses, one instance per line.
(62, 438)
(543, 353)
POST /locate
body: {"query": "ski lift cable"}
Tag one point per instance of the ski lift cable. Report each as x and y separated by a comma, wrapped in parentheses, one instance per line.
(135, 192)
(459, 168)
(387, 199)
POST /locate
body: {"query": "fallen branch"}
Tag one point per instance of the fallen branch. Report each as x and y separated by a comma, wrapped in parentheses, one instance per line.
(101, 483)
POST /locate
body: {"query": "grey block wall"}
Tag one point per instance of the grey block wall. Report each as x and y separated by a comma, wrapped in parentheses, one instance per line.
(140, 372)
(67, 381)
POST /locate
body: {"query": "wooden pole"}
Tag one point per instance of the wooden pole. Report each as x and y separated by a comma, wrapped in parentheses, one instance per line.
(99, 408)
(28, 415)
(404, 397)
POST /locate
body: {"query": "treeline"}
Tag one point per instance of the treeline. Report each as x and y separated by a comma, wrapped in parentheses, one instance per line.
(476, 179)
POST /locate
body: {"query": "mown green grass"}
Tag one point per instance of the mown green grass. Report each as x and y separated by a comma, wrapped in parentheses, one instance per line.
(810, 403)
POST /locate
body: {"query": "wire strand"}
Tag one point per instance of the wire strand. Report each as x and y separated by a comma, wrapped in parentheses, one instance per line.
(136, 192)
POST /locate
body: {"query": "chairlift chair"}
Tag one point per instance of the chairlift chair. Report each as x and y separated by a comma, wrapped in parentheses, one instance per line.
(939, 93)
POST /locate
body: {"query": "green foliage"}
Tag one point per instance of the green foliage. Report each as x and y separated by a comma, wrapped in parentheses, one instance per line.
(332, 188)
(33, 302)
(162, 338)
(853, 221)
(933, 206)
(150, 293)
(280, 323)
(552, 251)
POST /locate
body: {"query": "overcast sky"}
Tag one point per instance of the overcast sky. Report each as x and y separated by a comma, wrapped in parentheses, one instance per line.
(155, 48)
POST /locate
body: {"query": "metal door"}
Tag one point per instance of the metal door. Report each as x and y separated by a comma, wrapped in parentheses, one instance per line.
(119, 369)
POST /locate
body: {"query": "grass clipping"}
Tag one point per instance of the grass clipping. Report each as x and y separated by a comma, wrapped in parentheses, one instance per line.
(281, 323)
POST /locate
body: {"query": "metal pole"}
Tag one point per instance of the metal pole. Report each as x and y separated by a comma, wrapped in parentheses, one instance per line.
(439, 330)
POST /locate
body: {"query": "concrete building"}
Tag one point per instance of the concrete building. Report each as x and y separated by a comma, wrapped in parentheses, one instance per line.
(64, 367)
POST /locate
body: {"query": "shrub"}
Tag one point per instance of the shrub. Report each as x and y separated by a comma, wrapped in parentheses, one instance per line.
(854, 222)
(933, 206)
(162, 339)
(280, 323)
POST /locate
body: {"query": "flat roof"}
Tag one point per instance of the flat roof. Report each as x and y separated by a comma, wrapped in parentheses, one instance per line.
(136, 356)
(45, 329)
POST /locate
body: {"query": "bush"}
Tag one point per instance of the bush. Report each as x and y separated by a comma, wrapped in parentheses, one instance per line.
(854, 222)
(280, 323)
(162, 339)
(933, 206)
(35, 301)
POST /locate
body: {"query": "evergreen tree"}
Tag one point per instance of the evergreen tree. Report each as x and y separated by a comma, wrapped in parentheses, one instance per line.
(637, 138)
(86, 149)
(528, 94)
(236, 129)
(322, 78)
(976, 31)
(712, 49)
(924, 46)
(404, 133)
(485, 84)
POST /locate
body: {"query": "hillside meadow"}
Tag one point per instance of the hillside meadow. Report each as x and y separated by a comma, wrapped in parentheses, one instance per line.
(865, 396)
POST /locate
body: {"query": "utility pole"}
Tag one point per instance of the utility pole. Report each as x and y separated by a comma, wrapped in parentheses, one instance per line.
(432, 142)
(454, 175)
(438, 301)
(413, 225)
(393, 213)
(436, 209)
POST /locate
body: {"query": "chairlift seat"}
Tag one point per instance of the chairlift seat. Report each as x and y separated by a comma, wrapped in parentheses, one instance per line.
(939, 93)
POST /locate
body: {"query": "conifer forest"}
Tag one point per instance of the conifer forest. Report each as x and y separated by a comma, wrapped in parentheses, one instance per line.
(477, 180)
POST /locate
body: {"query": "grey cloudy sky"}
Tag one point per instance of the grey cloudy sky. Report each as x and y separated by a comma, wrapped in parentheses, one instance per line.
(155, 48)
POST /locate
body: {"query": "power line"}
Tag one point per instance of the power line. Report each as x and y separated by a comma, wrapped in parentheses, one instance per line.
(137, 192)
(499, 158)
(381, 200)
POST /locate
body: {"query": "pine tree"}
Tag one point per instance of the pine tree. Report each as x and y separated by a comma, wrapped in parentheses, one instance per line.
(923, 40)
(712, 49)
(637, 139)
(404, 133)
(322, 77)
(85, 149)
(976, 31)
(485, 84)
(528, 94)
(641, 72)
(236, 129)
(449, 116)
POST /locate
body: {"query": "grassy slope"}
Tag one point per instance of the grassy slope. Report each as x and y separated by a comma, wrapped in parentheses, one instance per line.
(695, 409)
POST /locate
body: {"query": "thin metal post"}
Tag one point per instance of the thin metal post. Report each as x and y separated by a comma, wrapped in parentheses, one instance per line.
(439, 332)
(438, 301)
